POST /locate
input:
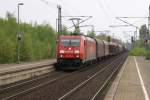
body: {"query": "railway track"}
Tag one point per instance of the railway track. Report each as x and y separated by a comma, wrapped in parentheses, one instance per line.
(87, 88)
(25, 86)
(49, 86)
(18, 89)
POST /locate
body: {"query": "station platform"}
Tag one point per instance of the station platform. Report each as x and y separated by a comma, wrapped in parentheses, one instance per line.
(132, 82)
(10, 73)
(25, 65)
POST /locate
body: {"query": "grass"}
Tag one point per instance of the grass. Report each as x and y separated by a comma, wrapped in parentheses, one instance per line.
(138, 51)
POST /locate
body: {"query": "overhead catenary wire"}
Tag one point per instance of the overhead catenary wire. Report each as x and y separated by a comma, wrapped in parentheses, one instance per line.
(110, 16)
(66, 11)
(49, 3)
(126, 22)
(53, 4)
(87, 18)
(103, 9)
(70, 8)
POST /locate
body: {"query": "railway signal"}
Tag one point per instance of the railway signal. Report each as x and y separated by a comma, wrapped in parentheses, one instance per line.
(132, 39)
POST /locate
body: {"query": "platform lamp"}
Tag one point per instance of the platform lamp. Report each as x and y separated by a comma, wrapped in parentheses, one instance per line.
(19, 35)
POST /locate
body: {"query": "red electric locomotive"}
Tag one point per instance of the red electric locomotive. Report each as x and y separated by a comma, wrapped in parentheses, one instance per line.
(75, 50)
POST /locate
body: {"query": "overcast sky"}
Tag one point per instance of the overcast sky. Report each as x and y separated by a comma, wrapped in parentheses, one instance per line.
(103, 12)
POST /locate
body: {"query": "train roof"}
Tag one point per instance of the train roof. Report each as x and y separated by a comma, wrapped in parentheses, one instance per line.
(70, 36)
(105, 41)
(113, 43)
(75, 36)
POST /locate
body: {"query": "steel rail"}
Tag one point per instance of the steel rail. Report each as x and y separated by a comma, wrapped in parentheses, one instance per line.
(32, 88)
(86, 81)
(107, 81)
(45, 83)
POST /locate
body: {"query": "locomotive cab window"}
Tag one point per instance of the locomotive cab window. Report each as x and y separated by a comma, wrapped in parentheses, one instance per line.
(70, 42)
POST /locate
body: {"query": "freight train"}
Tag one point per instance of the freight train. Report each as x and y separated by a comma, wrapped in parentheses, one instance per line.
(75, 50)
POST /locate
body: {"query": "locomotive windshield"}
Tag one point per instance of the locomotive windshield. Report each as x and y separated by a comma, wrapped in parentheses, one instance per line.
(70, 42)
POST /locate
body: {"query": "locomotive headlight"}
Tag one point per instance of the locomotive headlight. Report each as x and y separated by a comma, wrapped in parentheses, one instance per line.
(77, 56)
(77, 51)
(61, 51)
(61, 56)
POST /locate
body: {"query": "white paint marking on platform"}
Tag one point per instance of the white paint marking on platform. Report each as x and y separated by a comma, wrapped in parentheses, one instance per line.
(141, 81)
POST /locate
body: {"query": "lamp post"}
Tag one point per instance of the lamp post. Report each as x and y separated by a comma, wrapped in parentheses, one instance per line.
(19, 36)
(149, 22)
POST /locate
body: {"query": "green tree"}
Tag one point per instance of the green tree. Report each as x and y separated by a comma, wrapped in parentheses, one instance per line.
(143, 31)
(102, 37)
(76, 31)
(65, 31)
(38, 41)
(91, 34)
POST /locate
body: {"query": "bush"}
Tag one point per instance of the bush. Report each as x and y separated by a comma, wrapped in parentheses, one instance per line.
(138, 51)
